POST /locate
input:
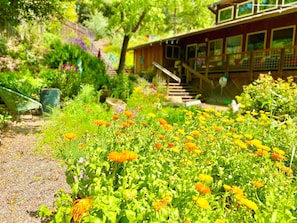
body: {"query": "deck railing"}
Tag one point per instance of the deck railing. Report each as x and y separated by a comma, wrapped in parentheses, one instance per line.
(277, 59)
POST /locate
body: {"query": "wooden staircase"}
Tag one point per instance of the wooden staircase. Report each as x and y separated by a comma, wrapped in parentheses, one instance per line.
(181, 92)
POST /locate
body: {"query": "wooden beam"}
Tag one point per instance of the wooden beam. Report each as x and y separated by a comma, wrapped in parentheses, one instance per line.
(167, 72)
(197, 74)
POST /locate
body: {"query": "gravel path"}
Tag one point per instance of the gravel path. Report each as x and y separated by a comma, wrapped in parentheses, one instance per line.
(27, 179)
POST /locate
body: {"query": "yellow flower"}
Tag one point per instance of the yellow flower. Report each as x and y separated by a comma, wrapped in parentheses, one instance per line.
(80, 208)
(201, 202)
(189, 138)
(240, 119)
(250, 204)
(220, 221)
(287, 170)
(205, 177)
(258, 184)
(176, 150)
(69, 136)
(151, 115)
(248, 136)
(196, 133)
(181, 131)
(240, 143)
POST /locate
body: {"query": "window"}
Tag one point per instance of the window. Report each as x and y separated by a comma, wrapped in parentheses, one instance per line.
(256, 41)
(245, 9)
(172, 52)
(215, 48)
(226, 14)
(233, 44)
(264, 5)
(191, 51)
(287, 2)
(283, 37)
(201, 50)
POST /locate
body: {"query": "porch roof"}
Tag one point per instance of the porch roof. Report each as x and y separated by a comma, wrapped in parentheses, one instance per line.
(241, 21)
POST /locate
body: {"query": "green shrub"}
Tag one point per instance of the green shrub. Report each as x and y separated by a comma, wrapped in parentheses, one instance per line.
(93, 70)
(121, 86)
(278, 97)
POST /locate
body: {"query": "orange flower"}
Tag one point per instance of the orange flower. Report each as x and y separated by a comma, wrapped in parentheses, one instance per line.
(277, 156)
(99, 122)
(158, 145)
(107, 124)
(116, 117)
(80, 208)
(158, 205)
(144, 124)
(116, 157)
(191, 146)
(69, 136)
(218, 128)
(121, 157)
(129, 114)
(125, 125)
(161, 137)
(130, 122)
(167, 127)
(187, 221)
(202, 188)
(196, 133)
(170, 144)
(162, 121)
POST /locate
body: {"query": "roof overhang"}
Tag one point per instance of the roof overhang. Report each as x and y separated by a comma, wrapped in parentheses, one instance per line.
(242, 21)
(221, 4)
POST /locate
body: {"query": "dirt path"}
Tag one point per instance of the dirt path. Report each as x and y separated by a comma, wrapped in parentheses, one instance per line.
(27, 179)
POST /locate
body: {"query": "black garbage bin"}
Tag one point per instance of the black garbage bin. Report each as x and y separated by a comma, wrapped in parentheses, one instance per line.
(49, 98)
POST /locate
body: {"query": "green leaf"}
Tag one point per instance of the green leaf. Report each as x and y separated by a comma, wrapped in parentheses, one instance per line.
(44, 211)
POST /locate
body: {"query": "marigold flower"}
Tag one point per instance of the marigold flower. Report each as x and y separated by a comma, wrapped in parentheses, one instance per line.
(129, 114)
(261, 152)
(220, 221)
(129, 155)
(158, 145)
(250, 204)
(167, 127)
(196, 133)
(107, 124)
(69, 136)
(162, 121)
(191, 146)
(80, 208)
(201, 202)
(189, 138)
(151, 115)
(116, 157)
(144, 124)
(161, 137)
(202, 188)
(187, 221)
(176, 150)
(116, 117)
(218, 128)
(205, 177)
(181, 131)
(125, 125)
(130, 122)
(99, 122)
(258, 184)
(170, 144)
(240, 143)
(277, 156)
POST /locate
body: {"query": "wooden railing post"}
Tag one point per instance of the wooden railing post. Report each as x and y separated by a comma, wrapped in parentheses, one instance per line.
(281, 62)
(227, 66)
(251, 65)
(206, 66)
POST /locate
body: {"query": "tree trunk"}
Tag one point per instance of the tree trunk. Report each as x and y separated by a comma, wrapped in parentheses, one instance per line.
(123, 54)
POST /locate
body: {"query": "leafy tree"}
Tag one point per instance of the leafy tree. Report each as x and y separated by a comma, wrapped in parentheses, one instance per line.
(12, 12)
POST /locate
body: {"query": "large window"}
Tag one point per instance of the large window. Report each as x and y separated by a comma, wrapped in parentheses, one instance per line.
(264, 5)
(245, 9)
(201, 49)
(286, 2)
(191, 51)
(215, 48)
(283, 37)
(233, 44)
(172, 52)
(256, 41)
(226, 14)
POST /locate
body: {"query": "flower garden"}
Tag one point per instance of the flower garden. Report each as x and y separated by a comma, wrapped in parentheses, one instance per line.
(162, 164)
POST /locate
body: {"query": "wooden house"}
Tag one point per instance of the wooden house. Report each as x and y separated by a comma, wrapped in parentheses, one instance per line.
(249, 37)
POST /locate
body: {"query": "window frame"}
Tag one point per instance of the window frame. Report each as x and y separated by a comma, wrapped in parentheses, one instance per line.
(215, 55)
(281, 28)
(172, 56)
(264, 10)
(187, 50)
(254, 33)
(225, 9)
(290, 3)
(243, 3)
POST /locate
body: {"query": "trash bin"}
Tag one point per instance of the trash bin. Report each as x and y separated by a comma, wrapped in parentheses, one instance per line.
(49, 98)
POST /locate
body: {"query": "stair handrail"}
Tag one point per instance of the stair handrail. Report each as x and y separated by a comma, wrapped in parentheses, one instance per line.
(197, 74)
(167, 72)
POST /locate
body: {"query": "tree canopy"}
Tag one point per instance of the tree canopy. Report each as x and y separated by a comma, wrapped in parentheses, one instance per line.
(12, 12)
